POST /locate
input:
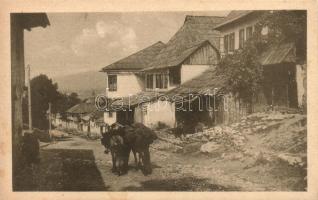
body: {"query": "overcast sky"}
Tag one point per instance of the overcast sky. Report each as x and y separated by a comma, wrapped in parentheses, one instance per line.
(78, 42)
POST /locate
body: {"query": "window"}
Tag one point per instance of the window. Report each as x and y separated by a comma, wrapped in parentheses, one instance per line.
(149, 81)
(241, 38)
(112, 82)
(249, 32)
(226, 43)
(175, 76)
(161, 81)
(231, 42)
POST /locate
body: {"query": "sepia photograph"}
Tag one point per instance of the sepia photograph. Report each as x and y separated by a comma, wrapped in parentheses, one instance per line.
(159, 101)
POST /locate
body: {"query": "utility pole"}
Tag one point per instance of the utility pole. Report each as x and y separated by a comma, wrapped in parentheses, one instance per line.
(29, 98)
(50, 105)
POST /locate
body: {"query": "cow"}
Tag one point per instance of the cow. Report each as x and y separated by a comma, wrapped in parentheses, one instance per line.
(121, 140)
(113, 141)
(139, 137)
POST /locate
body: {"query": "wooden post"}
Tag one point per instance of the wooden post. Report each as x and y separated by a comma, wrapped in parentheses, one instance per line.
(272, 98)
(29, 98)
(50, 105)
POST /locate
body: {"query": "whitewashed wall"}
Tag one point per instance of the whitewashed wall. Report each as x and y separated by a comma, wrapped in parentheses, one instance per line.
(301, 83)
(110, 120)
(139, 115)
(127, 84)
(95, 129)
(236, 28)
(159, 111)
(189, 72)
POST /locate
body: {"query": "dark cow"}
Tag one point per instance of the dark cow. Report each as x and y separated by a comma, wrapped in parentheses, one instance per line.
(120, 140)
(139, 137)
(113, 141)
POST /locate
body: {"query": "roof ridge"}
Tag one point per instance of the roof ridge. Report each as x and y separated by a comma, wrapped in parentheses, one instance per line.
(188, 18)
(139, 51)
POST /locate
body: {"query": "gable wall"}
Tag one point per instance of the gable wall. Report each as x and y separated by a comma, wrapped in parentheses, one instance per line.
(127, 84)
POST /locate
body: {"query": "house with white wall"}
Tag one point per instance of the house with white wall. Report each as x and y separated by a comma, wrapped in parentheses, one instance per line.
(124, 79)
(159, 68)
(284, 84)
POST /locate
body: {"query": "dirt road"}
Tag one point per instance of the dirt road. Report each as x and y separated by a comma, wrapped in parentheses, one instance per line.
(78, 164)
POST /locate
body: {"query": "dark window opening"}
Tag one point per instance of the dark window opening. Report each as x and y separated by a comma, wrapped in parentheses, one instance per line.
(112, 82)
(175, 76)
(249, 32)
(161, 81)
(226, 43)
(241, 38)
(231, 42)
(149, 81)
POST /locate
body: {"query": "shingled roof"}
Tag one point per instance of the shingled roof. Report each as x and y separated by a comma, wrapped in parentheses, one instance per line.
(82, 108)
(195, 31)
(85, 107)
(138, 60)
(137, 99)
(281, 53)
(204, 84)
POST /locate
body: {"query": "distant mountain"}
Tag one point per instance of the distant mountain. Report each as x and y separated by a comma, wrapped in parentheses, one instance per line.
(84, 83)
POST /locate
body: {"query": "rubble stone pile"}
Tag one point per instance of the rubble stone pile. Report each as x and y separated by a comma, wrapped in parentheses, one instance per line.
(222, 135)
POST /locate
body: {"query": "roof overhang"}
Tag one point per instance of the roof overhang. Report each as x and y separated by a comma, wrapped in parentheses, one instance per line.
(32, 20)
(191, 50)
(282, 53)
(233, 20)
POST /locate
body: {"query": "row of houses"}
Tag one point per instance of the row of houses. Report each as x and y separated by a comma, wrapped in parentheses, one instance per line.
(177, 82)
(83, 117)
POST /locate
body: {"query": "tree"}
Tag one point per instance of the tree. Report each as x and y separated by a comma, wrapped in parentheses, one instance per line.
(43, 92)
(243, 70)
(65, 102)
(243, 67)
(288, 26)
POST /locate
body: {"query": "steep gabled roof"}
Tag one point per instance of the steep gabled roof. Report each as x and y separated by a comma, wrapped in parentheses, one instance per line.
(233, 16)
(195, 30)
(138, 60)
(178, 58)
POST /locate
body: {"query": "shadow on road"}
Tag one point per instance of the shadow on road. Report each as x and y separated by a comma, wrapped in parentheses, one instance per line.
(179, 184)
(62, 170)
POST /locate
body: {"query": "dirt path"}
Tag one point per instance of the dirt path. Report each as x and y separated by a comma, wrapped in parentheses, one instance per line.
(78, 164)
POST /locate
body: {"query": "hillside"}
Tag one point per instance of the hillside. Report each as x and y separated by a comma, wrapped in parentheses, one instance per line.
(83, 83)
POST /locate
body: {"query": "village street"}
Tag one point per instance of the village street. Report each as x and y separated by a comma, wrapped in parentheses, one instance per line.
(218, 99)
(80, 164)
